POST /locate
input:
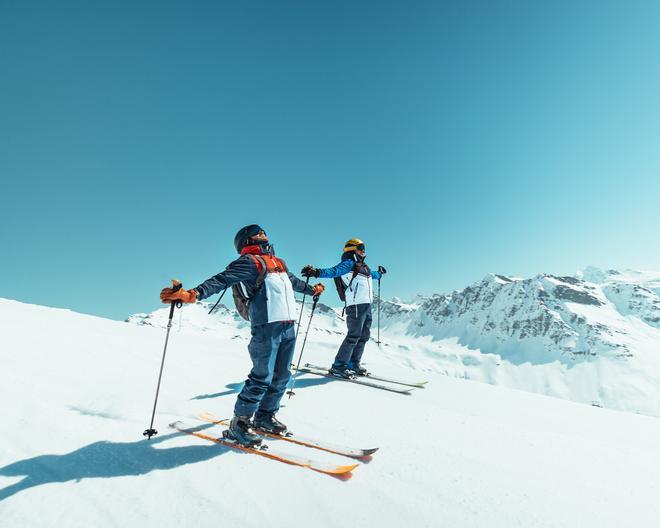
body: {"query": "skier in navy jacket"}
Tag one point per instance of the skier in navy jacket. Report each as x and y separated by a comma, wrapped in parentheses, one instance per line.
(268, 284)
(354, 279)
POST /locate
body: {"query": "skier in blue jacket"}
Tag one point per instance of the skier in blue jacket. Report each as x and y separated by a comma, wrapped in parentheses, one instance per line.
(265, 280)
(354, 282)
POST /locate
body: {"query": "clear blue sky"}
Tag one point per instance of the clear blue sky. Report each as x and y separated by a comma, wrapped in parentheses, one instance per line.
(456, 138)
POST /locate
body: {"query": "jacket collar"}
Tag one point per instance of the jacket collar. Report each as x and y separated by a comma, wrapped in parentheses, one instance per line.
(257, 249)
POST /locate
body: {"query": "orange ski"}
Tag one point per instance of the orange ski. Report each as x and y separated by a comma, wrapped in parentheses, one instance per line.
(303, 441)
(265, 451)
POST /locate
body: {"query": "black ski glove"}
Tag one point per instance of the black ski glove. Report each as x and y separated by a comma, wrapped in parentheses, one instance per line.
(309, 271)
(382, 270)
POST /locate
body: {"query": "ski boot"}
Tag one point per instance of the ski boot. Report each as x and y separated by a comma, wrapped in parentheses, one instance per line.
(240, 431)
(359, 370)
(267, 423)
(344, 373)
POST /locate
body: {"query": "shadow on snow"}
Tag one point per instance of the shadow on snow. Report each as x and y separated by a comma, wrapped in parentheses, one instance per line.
(235, 388)
(106, 460)
(315, 381)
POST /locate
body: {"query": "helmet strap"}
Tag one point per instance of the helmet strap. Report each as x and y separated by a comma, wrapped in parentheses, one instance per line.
(266, 247)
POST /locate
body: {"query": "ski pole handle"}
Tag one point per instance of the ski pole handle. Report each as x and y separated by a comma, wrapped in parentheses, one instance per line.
(176, 286)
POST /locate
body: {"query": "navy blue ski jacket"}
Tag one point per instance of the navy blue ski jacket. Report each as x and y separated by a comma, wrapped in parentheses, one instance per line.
(244, 270)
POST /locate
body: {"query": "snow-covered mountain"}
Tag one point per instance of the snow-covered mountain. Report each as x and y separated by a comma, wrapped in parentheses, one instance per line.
(542, 319)
(77, 392)
(592, 338)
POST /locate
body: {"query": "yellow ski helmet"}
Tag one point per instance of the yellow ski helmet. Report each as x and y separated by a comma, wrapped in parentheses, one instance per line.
(353, 244)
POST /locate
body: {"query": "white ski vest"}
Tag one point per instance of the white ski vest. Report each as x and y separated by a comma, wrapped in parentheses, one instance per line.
(360, 291)
(279, 297)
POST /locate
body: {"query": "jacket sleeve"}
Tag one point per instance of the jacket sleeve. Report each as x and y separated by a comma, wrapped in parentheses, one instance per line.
(345, 266)
(299, 285)
(376, 275)
(240, 270)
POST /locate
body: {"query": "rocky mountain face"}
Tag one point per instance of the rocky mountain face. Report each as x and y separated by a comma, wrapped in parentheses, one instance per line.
(542, 319)
(634, 293)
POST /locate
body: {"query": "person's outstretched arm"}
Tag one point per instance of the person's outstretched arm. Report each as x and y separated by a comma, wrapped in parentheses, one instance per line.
(300, 285)
(242, 269)
(344, 267)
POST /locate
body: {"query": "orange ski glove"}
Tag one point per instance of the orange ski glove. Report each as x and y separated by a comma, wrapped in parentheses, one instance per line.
(318, 289)
(168, 295)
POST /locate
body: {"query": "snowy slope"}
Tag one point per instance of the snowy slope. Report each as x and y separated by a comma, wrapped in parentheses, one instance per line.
(77, 392)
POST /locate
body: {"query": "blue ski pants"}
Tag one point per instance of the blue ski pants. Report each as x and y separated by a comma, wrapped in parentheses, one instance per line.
(271, 350)
(358, 321)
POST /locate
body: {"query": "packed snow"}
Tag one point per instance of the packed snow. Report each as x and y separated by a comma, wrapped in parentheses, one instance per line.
(78, 392)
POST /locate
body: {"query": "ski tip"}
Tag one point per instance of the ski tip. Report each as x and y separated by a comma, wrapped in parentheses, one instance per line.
(338, 470)
(371, 451)
(210, 417)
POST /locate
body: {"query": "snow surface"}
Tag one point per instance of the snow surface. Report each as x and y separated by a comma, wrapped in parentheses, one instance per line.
(77, 393)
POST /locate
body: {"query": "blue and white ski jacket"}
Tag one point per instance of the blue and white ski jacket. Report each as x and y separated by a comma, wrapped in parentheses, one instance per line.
(273, 301)
(359, 289)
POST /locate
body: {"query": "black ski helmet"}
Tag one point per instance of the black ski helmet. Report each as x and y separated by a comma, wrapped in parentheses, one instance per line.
(244, 234)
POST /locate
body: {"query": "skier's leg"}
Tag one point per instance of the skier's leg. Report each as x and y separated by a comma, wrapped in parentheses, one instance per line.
(262, 347)
(270, 403)
(366, 318)
(350, 341)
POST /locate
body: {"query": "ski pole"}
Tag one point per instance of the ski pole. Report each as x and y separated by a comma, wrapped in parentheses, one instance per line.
(302, 307)
(176, 286)
(293, 381)
(218, 301)
(378, 340)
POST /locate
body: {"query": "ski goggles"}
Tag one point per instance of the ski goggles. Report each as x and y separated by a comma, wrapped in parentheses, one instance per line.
(253, 230)
(358, 247)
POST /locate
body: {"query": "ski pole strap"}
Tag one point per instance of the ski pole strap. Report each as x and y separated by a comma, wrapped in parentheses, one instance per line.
(218, 301)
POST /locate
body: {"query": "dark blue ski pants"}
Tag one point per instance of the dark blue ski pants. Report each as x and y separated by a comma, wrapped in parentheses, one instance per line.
(358, 321)
(271, 350)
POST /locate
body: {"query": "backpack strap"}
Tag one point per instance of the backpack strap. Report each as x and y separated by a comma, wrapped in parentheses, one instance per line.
(282, 264)
(270, 263)
(240, 291)
(262, 267)
(356, 272)
(339, 281)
